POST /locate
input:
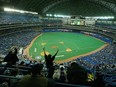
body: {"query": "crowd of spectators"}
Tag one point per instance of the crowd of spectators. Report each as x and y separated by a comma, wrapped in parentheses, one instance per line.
(51, 22)
(85, 70)
(111, 24)
(13, 18)
(20, 38)
(91, 70)
(105, 58)
(17, 18)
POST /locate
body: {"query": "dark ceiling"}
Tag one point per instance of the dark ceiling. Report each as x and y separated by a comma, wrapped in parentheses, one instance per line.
(67, 7)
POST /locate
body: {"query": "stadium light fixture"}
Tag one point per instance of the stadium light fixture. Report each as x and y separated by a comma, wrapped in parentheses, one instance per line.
(47, 14)
(16, 10)
(50, 14)
(101, 17)
(63, 16)
(58, 15)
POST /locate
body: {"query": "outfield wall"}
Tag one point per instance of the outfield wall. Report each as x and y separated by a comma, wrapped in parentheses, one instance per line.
(94, 34)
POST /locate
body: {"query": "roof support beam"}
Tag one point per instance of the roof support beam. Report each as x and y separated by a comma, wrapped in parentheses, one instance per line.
(52, 5)
(106, 4)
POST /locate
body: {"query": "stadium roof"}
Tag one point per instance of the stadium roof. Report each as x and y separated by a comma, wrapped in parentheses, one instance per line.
(66, 7)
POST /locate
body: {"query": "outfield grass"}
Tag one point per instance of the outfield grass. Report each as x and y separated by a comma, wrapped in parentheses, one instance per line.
(70, 45)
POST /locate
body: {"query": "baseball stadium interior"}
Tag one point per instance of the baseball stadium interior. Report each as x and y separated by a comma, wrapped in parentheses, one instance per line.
(57, 43)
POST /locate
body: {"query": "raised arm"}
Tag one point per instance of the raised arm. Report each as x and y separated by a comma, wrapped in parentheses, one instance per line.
(44, 51)
(56, 52)
(53, 57)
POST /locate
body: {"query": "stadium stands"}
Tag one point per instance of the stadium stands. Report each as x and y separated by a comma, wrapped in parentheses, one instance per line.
(21, 38)
(9, 18)
(100, 66)
(110, 24)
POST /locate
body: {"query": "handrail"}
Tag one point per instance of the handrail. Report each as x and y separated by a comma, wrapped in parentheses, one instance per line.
(69, 85)
(11, 77)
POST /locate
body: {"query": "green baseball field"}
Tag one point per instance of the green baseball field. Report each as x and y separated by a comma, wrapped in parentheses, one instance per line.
(70, 45)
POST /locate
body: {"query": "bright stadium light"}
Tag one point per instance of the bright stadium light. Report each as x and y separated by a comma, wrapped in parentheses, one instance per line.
(58, 15)
(20, 11)
(63, 16)
(50, 14)
(55, 15)
(47, 14)
(101, 17)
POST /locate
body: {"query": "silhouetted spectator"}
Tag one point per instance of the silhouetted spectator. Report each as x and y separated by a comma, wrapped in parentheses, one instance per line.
(77, 74)
(51, 72)
(35, 79)
(49, 58)
(11, 58)
(62, 75)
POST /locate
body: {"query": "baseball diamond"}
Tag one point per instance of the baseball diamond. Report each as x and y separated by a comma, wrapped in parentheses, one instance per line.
(70, 45)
